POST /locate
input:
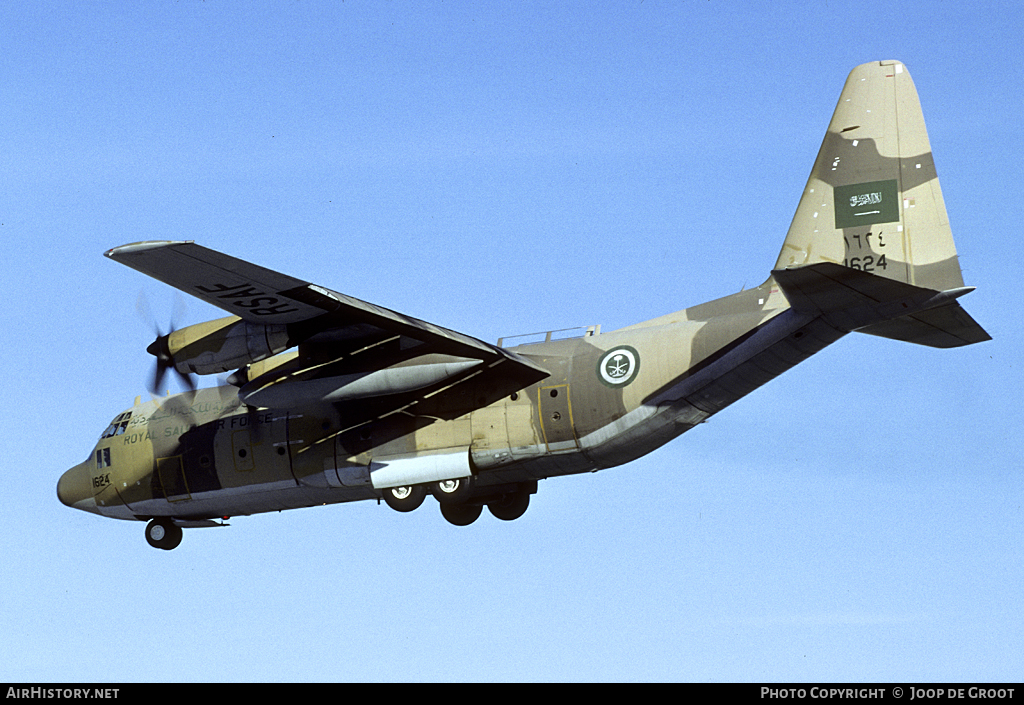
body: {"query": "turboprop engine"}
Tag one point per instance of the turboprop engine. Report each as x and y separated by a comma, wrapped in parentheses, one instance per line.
(218, 346)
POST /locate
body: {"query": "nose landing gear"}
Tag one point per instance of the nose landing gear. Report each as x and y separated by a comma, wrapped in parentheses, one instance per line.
(163, 533)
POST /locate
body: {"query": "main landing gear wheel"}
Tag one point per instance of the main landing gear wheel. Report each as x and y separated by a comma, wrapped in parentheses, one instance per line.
(461, 514)
(453, 491)
(163, 533)
(512, 505)
(405, 499)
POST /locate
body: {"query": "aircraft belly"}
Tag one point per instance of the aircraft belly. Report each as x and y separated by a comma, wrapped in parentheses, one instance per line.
(559, 464)
(251, 499)
(639, 440)
(110, 503)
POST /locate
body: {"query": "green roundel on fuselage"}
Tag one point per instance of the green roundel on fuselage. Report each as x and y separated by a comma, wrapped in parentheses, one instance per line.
(619, 366)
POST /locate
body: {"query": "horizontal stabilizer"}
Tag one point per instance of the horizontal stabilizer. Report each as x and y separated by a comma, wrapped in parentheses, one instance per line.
(948, 326)
(855, 300)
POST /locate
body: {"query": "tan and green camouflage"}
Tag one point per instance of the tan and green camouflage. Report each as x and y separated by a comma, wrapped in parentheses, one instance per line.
(333, 399)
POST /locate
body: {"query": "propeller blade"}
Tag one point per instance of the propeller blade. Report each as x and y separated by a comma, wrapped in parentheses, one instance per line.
(161, 350)
(186, 380)
(158, 378)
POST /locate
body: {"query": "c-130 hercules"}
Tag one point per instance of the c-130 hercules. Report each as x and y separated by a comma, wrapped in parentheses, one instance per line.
(332, 399)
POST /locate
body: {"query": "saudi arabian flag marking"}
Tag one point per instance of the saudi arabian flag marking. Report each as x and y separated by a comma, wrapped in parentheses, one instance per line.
(863, 204)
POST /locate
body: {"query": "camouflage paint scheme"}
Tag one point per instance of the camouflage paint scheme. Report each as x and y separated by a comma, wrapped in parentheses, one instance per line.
(372, 404)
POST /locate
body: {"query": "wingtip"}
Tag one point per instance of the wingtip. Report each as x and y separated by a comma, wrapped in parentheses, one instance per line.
(136, 247)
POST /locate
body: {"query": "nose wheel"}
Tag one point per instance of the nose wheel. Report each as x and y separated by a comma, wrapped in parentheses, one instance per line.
(163, 533)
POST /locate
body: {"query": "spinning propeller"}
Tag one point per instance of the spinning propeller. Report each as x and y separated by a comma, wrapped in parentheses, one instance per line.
(164, 361)
(160, 348)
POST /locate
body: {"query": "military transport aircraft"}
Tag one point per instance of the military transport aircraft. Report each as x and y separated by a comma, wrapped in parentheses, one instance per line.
(332, 399)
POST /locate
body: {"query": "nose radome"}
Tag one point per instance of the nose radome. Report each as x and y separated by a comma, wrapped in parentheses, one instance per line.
(74, 489)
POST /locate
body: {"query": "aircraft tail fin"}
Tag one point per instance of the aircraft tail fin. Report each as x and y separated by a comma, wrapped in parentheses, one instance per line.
(873, 201)
(870, 244)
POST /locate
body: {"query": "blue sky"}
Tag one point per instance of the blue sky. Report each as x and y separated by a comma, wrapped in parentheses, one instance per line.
(503, 168)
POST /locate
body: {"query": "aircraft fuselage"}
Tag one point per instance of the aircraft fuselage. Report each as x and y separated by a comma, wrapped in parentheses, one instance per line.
(608, 399)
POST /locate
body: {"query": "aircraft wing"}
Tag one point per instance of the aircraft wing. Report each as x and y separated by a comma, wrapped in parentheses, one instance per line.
(333, 324)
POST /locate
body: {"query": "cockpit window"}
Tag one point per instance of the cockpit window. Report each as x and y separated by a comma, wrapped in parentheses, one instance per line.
(117, 426)
(102, 458)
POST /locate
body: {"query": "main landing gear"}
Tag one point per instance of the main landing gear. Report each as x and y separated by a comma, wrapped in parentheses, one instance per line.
(405, 499)
(462, 502)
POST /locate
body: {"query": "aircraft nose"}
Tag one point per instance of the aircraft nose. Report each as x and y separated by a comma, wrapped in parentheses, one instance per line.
(74, 488)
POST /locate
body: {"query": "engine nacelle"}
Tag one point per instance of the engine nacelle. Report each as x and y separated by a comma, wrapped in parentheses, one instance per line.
(221, 345)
